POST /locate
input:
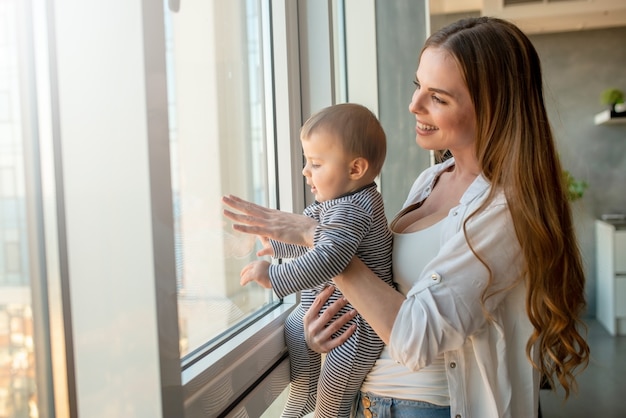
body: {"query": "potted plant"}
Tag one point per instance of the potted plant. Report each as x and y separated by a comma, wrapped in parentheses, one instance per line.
(613, 97)
(575, 188)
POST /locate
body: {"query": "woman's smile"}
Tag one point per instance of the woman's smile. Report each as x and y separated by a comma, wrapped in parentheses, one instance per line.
(422, 128)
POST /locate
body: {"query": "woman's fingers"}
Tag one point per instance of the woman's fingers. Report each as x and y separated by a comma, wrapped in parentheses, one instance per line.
(250, 218)
(246, 207)
(247, 224)
(342, 338)
(318, 331)
(320, 300)
(242, 225)
(332, 310)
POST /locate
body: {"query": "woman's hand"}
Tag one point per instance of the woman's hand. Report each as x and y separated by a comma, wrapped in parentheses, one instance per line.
(270, 223)
(317, 330)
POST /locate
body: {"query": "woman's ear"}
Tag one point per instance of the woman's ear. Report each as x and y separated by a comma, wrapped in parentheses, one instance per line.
(358, 168)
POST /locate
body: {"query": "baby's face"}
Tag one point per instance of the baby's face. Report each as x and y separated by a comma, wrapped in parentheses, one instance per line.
(327, 168)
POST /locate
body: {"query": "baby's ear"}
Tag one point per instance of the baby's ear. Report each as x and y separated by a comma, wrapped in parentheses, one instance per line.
(358, 168)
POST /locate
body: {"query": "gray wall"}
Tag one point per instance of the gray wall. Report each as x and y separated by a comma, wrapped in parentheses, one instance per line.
(577, 66)
(400, 34)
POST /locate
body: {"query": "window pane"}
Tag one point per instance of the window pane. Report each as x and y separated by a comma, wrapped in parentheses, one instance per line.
(218, 145)
(18, 385)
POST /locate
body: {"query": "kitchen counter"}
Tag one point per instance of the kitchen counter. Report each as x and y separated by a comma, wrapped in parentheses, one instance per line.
(618, 220)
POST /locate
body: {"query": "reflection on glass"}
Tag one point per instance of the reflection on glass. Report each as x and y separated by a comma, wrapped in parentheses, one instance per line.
(18, 390)
(218, 145)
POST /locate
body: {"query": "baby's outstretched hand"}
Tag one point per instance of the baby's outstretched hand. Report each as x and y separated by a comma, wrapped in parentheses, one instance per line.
(267, 247)
(256, 271)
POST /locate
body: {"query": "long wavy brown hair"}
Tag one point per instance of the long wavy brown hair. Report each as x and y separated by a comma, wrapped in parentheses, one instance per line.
(517, 154)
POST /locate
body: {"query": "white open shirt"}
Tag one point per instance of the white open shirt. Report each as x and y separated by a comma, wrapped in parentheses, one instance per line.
(488, 372)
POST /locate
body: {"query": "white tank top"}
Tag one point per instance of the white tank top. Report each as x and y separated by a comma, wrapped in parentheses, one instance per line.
(411, 252)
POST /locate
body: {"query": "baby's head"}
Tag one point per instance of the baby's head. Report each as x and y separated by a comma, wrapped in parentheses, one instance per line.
(345, 147)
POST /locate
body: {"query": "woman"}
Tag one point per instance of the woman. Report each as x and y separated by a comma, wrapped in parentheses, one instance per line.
(490, 276)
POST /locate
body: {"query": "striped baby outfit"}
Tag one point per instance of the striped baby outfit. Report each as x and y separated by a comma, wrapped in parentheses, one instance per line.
(352, 224)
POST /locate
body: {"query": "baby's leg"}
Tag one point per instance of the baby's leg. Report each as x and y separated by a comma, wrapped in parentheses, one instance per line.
(344, 370)
(305, 368)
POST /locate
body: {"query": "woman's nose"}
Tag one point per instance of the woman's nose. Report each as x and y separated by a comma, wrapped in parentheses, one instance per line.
(415, 104)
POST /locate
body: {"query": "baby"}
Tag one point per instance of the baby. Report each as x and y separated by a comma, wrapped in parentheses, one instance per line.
(344, 146)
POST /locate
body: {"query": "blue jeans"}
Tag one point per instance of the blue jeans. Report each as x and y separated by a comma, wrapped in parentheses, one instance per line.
(369, 405)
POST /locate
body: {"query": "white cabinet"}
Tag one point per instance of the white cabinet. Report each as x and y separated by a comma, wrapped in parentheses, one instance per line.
(611, 277)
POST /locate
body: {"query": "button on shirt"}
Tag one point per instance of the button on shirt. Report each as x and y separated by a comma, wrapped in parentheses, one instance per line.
(488, 372)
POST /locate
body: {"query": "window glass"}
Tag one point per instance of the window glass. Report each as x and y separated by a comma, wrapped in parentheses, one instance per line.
(218, 110)
(18, 389)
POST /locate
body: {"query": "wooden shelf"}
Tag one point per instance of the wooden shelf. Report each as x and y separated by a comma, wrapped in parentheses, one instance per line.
(609, 117)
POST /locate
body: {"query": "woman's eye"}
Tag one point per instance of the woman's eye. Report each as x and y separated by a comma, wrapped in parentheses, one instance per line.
(315, 165)
(416, 83)
(437, 100)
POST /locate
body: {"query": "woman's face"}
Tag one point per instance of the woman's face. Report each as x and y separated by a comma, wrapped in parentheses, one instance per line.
(444, 112)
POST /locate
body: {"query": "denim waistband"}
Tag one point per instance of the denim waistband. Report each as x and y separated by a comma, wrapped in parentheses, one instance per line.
(370, 405)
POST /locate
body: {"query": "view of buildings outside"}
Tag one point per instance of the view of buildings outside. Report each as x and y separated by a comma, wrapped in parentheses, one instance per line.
(18, 391)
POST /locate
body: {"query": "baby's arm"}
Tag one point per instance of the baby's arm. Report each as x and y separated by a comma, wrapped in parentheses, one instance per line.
(283, 250)
(257, 271)
(336, 240)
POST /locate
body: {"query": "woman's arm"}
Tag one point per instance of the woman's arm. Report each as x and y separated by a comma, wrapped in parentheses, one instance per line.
(445, 306)
(373, 299)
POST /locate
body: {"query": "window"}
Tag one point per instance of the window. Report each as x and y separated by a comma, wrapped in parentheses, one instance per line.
(234, 113)
(220, 116)
(121, 126)
(23, 359)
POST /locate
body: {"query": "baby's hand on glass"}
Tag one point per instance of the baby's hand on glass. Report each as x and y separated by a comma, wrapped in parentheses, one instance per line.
(267, 247)
(256, 271)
